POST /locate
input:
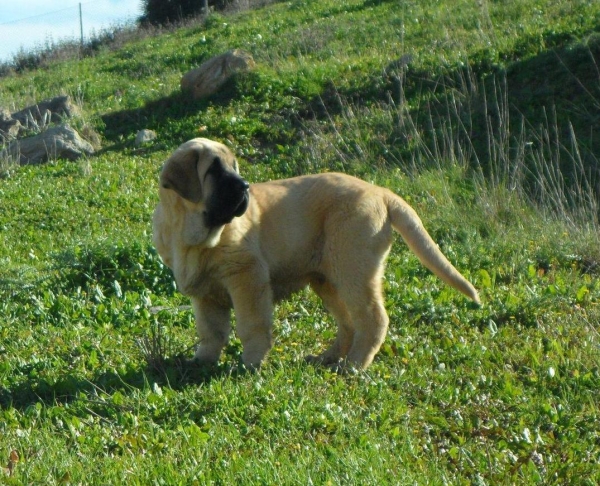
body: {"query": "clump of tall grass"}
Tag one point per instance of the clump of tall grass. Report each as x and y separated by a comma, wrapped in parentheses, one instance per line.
(7, 164)
(470, 126)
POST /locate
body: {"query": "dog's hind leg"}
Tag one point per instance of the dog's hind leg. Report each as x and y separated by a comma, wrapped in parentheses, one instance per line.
(360, 288)
(358, 282)
(336, 307)
(370, 322)
(213, 326)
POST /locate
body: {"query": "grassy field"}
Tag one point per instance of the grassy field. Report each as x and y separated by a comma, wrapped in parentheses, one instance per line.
(483, 115)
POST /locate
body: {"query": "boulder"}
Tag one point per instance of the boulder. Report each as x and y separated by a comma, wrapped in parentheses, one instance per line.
(54, 110)
(60, 142)
(9, 127)
(144, 136)
(211, 75)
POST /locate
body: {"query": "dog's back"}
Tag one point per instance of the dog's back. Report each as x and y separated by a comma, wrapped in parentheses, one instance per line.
(338, 212)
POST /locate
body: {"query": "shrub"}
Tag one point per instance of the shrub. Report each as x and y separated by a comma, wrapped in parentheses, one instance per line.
(164, 12)
(161, 12)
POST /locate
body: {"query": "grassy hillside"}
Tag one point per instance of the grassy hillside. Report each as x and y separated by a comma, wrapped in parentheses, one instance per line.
(483, 115)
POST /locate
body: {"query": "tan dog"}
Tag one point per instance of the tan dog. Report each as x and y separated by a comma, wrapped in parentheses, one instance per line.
(231, 245)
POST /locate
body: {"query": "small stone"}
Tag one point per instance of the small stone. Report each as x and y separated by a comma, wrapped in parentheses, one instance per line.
(144, 136)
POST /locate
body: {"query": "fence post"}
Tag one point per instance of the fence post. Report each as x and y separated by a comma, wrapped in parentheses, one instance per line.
(81, 26)
(204, 10)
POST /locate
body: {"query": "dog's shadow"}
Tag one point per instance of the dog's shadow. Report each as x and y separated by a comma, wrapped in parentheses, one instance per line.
(96, 392)
(180, 371)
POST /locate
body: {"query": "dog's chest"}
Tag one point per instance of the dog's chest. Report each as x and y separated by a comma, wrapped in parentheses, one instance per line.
(195, 276)
(206, 285)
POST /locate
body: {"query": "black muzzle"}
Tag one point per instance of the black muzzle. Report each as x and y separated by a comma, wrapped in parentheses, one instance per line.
(229, 198)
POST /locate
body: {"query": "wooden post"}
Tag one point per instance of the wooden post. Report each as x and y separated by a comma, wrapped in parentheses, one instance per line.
(204, 10)
(81, 25)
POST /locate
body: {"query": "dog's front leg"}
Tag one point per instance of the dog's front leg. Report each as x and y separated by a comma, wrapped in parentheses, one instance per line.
(253, 306)
(213, 324)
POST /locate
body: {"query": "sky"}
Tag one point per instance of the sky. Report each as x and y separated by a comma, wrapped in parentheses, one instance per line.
(30, 24)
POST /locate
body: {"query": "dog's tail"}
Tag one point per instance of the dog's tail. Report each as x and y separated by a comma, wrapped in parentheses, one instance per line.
(406, 222)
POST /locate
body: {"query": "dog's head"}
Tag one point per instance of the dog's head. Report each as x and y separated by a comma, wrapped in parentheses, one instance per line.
(205, 174)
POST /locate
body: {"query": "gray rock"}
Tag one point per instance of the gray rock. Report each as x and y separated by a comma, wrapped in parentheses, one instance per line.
(211, 75)
(54, 110)
(5, 115)
(144, 136)
(60, 142)
(9, 127)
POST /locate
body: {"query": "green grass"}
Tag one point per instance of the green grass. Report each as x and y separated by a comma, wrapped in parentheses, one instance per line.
(487, 130)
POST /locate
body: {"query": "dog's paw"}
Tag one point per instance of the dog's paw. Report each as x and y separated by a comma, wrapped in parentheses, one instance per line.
(320, 360)
(338, 366)
(343, 367)
(323, 360)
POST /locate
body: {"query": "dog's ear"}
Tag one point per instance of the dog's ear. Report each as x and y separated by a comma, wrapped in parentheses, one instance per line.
(180, 173)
